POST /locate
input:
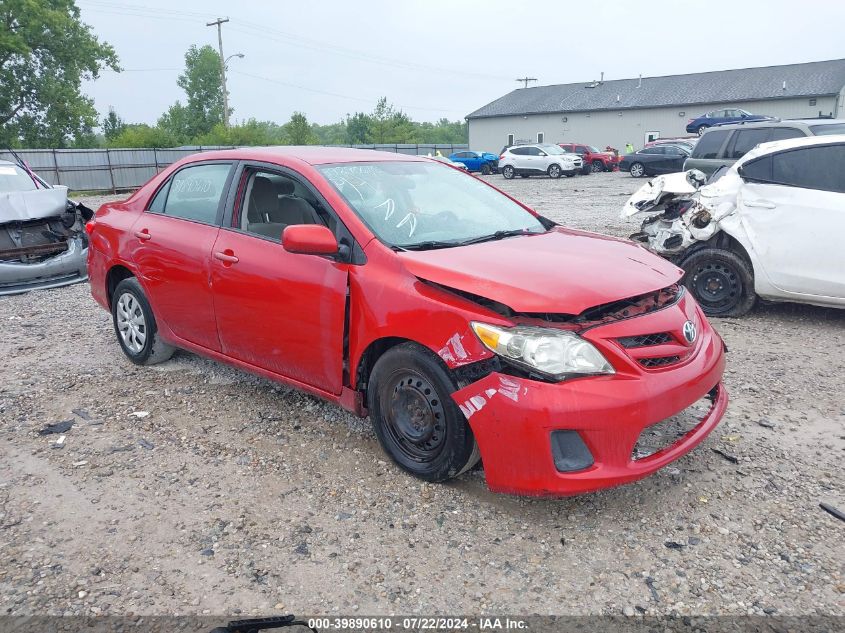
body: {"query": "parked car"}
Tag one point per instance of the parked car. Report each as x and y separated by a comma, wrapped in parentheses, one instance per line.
(659, 159)
(447, 161)
(688, 141)
(699, 124)
(484, 162)
(722, 146)
(464, 324)
(770, 227)
(43, 243)
(538, 159)
(593, 158)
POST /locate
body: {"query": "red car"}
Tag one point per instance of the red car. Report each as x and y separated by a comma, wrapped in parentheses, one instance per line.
(593, 157)
(464, 324)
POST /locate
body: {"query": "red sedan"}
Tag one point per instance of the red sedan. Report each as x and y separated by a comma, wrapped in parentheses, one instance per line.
(464, 324)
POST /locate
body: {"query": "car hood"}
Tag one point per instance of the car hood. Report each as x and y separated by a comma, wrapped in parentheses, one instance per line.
(489, 156)
(562, 271)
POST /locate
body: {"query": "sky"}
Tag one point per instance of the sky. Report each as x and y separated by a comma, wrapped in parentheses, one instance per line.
(435, 58)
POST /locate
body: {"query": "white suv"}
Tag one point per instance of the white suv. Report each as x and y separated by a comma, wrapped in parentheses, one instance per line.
(537, 159)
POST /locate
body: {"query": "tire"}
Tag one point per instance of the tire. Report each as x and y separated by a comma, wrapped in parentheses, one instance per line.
(637, 170)
(554, 170)
(485, 169)
(586, 170)
(721, 281)
(135, 325)
(598, 167)
(508, 172)
(414, 417)
(701, 129)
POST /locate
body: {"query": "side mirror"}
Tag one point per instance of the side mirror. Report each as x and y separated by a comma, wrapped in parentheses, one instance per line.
(543, 154)
(309, 239)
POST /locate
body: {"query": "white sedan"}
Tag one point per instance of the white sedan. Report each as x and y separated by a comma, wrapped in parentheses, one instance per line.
(770, 227)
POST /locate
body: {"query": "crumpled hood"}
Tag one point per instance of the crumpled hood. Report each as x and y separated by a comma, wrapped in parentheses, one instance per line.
(32, 205)
(561, 271)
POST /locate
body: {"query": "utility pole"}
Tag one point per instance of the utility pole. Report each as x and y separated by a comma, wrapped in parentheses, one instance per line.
(525, 80)
(219, 24)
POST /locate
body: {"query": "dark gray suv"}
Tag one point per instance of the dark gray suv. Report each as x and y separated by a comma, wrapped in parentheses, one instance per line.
(725, 144)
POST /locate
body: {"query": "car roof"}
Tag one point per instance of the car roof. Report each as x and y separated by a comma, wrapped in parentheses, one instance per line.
(777, 123)
(791, 143)
(311, 154)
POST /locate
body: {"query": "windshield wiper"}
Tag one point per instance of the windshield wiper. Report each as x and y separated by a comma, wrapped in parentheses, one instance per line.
(427, 245)
(498, 235)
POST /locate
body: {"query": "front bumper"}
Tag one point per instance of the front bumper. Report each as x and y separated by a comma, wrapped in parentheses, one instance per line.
(513, 418)
(66, 268)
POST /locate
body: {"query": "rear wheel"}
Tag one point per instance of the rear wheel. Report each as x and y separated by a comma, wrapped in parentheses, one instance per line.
(598, 166)
(637, 170)
(135, 325)
(485, 169)
(554, 170)
(721, 281)
(508, 172)
(701, 129)
(414, 417)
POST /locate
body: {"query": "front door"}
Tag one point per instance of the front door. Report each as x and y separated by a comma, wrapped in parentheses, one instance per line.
(276, 310)
(171, 245)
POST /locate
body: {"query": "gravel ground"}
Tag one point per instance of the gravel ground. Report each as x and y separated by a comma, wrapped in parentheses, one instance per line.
(191, 487)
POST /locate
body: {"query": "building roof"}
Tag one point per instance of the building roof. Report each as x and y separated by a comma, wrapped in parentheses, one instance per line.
(813, 79)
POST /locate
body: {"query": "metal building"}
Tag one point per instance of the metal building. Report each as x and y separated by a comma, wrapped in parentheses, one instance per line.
(613, 113)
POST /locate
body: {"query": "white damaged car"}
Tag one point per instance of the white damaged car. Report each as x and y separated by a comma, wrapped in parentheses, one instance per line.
(770, 226)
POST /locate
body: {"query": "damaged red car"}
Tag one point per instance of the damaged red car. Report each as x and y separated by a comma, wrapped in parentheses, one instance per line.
(464, 324)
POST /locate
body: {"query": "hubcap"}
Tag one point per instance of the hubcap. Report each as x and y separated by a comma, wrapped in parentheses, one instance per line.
(416, 419)
(508, 171)
(637, 170)
(131, 324)
(702, 130)
(717, 286)
(554, 171)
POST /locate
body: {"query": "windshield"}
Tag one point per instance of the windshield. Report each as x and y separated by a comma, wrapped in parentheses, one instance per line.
(825, 130)
(13, 178)
(552, 150)
(593, 150)
(415, 204)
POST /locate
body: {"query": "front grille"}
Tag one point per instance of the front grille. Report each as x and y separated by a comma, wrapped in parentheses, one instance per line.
(660, 361)
(668, 432)
(645, 340)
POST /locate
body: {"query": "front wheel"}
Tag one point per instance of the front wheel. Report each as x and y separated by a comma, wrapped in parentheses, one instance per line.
(598, 166)
(637, 170)
(414, 417)
(721, 281)
(508, 172)
(554, 170)
(135, 325)
(485, 169)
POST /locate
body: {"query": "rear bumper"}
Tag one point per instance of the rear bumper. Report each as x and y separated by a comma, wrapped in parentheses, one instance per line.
(513, 418)
(64, 269)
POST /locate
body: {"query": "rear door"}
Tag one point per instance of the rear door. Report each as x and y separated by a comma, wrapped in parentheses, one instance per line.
(171, 246)
(793, 211)
(280, 311)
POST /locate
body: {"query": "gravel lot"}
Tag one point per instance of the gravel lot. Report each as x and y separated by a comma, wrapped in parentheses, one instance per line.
(192, 487)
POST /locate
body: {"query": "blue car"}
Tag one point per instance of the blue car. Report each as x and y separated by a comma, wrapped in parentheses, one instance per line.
(700, 124)
(485, 162)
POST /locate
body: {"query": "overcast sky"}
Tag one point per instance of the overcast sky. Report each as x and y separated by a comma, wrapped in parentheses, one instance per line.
(436, 58)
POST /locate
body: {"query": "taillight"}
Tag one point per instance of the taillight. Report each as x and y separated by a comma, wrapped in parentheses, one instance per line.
(502, 157)
(690, 121)
(89, 226)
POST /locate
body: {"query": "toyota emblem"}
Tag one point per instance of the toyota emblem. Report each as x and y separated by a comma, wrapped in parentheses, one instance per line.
(690, 332)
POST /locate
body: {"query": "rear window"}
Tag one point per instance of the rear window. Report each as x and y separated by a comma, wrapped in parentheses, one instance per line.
(710, 144)
(825, 130)
(781, 133)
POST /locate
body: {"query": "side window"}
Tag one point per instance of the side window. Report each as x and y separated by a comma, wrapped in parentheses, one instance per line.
(580, 149)
(818, 167)
(780, 133)
(746, 140)
(535, 151)
(651, 150)
(520, 151)
(758, 170)
(273, 201)
(193, 193)
(710, 144)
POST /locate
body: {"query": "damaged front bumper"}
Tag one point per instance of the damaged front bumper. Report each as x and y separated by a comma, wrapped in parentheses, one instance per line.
(69, 267)
(559, 439)
(683, 210)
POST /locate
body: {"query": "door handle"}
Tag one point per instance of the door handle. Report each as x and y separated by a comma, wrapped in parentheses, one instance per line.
(763, 204)
(227, 257)
(143, 235)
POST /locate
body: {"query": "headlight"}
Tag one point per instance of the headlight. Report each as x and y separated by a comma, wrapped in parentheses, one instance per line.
(554, 353)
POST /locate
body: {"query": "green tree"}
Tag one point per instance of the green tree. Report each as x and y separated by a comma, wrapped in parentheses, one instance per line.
(45, 53)
(389, 125)
(298, 130)
(203, 88)
(357, 128)
(112, 125)
(142, 135)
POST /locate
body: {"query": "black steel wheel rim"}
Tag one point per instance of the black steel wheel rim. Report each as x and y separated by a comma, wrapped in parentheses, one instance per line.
(415, 419)
(717, 286)
(597, 167)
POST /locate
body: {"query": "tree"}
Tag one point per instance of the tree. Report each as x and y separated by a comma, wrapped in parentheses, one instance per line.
(112, 125)
(388, 125)
(45, 53)
(142, 136)
(357, 128)
(203, 88)
(298, 130)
